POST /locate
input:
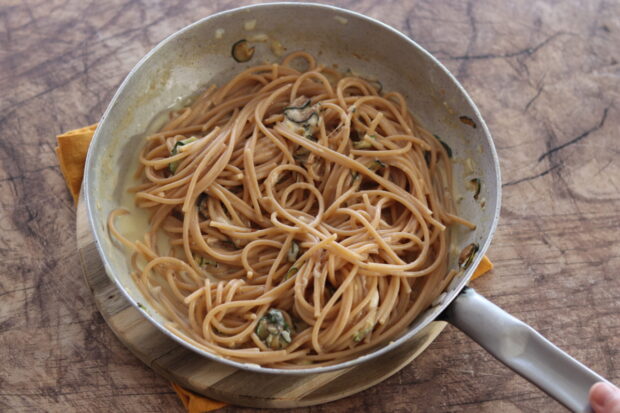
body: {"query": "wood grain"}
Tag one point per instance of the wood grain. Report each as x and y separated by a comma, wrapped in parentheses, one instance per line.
(546, 78)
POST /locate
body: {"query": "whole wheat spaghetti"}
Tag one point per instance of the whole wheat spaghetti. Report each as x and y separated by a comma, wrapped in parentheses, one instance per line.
(307, 215)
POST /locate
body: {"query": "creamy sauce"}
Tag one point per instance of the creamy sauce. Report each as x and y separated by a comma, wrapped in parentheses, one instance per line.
(135, 224)
(260, 37)
(249, 25)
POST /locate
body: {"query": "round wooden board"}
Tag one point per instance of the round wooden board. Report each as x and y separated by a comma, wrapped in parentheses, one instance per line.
(217, 380)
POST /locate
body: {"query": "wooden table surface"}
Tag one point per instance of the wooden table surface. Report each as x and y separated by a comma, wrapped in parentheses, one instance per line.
(545, 75)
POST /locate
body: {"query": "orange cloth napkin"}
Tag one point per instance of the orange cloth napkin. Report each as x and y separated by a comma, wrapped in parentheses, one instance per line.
(195, 403)
(71, 152)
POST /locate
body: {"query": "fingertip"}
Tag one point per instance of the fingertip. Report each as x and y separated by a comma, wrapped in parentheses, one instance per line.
(598, 396)
(604, 397)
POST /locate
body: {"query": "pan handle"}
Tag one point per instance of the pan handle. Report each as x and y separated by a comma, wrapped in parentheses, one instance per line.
(523, 349)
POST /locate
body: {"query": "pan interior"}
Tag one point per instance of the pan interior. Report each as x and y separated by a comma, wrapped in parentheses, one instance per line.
(200, 55)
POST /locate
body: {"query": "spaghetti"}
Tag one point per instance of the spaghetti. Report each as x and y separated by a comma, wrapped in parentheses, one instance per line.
(306, 213)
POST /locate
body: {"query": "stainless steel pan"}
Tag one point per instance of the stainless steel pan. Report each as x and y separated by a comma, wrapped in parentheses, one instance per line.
(200, 53)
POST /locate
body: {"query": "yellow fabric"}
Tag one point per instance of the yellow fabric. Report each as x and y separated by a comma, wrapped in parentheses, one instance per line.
(195, 403)
(484, 267)
(71, 152)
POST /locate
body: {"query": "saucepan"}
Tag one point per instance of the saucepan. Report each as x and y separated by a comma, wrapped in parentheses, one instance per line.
(201, 53)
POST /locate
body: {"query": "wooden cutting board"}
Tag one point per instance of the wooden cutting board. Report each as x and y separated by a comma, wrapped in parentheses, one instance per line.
(219, 381)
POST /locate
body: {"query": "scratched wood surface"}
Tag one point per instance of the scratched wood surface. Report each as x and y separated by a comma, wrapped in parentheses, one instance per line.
(546, 77)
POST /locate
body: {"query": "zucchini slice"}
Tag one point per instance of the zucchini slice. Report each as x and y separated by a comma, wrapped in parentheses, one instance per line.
(242, 51)
(300, 113)
(172, 166)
